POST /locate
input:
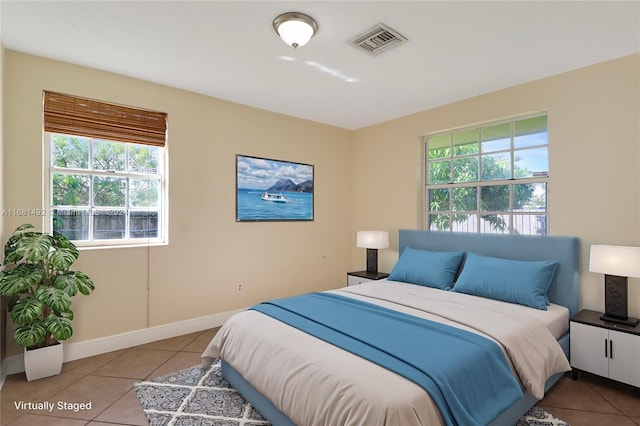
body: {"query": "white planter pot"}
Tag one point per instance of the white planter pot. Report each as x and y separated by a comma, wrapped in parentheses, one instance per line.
(43, 362)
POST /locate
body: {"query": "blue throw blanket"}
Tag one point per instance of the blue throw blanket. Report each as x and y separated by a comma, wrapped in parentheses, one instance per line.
(466, 374)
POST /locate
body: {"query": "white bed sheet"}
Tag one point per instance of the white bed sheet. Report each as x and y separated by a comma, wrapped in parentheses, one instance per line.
(556, 317)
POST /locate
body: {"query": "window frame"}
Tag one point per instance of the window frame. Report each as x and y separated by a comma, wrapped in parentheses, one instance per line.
(162, 209)
(480, 183)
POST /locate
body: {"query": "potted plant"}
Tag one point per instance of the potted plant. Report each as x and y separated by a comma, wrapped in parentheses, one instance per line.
(39, 284)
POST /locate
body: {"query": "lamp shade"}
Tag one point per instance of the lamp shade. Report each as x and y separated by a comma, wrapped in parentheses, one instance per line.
(372, 239)
(615, 260)
(295, 28)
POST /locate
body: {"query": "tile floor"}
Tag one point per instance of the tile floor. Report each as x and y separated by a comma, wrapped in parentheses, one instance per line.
(593, 401)
(107, 381)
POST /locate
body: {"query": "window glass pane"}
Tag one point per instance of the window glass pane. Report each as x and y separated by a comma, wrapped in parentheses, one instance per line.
(439, 147)
(108, 155)
(70, 190)
(466, 142)
(490, 179)
(530, 224)
(440, 172)
(143, 224)
(530, 197)
(144, 192)
(439, 200)
(73, 224)
(70, 152)
(530, 132)
(109, 224)
(531, 162)
(108, 191)
(496, 166)
(465, 223)
(465, 199)
(494, 198)
(143, 159)
(439, 222)
(496, 138)
(115, 194)
(465, 169)
(494, 224)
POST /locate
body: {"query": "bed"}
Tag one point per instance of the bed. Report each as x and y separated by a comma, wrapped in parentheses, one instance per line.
(296, 377)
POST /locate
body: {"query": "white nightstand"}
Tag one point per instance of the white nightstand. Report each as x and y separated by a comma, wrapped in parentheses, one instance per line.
(359, 277)
(605, 348)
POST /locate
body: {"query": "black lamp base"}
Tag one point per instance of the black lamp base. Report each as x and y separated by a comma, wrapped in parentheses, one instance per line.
(372, 261)
(616, 301)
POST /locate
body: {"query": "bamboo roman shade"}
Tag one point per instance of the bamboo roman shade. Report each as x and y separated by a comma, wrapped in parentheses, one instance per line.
(85, 117)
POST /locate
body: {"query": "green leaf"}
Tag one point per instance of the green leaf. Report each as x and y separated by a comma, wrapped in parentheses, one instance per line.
(73, 281)
(35, 247)
(55, 298)
(26, 311)
(60, 241)
(67, 283)
(23, 228)
(31, 334)
(10, 253)
(63, 258)
(12, 285)
(19, 279)
(84, 283)
(59, 327)
(67, 314)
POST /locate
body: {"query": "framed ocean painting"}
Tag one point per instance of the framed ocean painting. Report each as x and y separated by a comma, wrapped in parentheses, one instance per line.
(273, 190)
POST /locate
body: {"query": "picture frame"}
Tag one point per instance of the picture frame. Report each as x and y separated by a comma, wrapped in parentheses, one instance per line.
(269, 190)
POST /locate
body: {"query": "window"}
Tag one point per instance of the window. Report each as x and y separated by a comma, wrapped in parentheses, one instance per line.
(490, 179)
(104, 187)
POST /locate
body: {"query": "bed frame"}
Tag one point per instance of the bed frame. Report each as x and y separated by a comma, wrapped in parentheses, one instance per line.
(563, 291)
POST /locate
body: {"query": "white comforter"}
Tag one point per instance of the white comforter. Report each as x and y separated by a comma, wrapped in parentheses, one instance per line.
(316, 383)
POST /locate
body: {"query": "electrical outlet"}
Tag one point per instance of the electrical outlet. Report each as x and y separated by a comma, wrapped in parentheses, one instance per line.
(239, 288)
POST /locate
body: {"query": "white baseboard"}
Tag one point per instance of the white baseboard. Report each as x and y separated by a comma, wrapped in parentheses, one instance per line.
(77, 350)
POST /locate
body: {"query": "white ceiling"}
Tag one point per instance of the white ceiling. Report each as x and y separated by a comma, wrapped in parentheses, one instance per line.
(229, 50)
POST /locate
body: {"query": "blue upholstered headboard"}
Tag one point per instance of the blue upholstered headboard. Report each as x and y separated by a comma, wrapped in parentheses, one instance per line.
(564, 288)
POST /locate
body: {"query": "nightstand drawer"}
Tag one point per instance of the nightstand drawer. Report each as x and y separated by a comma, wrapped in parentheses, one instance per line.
(353, 280)
(359, 277)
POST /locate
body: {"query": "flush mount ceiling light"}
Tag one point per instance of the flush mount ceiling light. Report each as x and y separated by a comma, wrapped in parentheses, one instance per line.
(295, 28)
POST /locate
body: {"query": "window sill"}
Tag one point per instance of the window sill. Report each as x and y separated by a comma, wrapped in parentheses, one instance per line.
(119, 246)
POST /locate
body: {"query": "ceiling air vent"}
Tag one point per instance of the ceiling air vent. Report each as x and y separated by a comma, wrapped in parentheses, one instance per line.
(378, 39)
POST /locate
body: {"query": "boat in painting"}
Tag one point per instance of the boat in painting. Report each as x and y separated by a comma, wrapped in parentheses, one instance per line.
(276, 198)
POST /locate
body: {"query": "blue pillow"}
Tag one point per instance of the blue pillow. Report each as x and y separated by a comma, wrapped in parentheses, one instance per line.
(428, 268)
(515, 281)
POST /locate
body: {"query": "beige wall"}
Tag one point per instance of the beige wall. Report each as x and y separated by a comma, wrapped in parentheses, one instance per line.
(594, 183)
(209, 253)
(3, 339)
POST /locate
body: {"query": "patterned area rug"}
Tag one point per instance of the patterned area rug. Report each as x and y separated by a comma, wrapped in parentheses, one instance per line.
(194, 397)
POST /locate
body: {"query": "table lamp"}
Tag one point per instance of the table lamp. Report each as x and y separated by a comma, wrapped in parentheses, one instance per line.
(372, 241)
(617, 263)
